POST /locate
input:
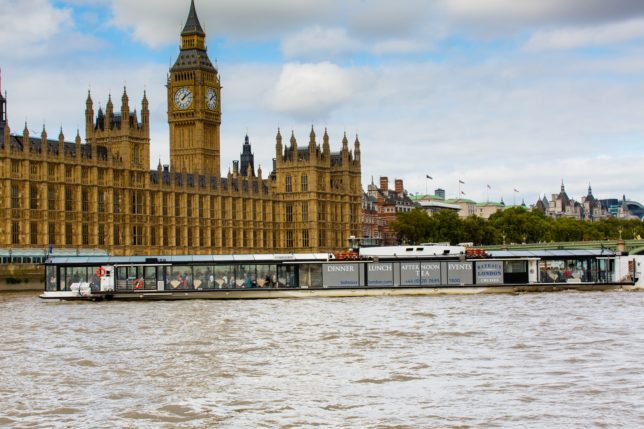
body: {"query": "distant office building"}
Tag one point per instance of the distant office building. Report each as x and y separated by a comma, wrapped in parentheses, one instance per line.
(435, 203)
(487, 209)
(623, 208)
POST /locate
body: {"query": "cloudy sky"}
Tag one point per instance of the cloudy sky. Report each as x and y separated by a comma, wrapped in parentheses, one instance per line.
(511, 94)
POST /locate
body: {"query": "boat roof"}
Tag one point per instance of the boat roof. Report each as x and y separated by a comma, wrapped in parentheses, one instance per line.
(551, 254)
(189, 259)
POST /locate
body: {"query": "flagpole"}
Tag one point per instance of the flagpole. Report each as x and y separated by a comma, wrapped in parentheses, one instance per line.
(427, 177)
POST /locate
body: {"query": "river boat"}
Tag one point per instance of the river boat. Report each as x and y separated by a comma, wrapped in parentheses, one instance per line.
(398, 270)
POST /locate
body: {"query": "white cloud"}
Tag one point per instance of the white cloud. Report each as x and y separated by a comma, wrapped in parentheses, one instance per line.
(314, 23)
(312, 90)
(158, 23)
(317, 41)
(400, 46)
(507, 12)
(32, 29)
(573, 37)
(26, 22)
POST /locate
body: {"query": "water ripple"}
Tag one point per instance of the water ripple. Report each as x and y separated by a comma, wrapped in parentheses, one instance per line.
(526, 360)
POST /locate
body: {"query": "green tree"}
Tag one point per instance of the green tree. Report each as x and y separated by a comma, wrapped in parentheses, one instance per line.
(413, 226)
(480, 231)
(447, 227)
(519, 225)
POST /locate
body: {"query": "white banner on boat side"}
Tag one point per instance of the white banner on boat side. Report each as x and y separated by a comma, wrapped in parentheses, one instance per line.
(489, 272)
(342, 275)
(460, 273)
(420, 273)
(380, 274)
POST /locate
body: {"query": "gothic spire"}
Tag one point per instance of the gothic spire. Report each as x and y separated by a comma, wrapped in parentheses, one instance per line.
(3, 106)
(192, 26)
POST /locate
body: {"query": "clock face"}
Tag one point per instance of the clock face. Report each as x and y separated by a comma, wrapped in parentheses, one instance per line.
(183, 98)
(211, 99)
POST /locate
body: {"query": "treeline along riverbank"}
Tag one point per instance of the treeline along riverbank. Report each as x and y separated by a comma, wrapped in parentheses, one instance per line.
(513, 225)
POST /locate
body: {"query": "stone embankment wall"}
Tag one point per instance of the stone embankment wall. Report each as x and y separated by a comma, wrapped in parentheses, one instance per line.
(21, 277)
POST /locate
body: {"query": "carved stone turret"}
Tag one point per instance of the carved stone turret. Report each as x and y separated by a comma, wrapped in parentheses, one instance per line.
(125, 110)
(145, 112)
(278, 145)
(326, 148)
(356, 149)
(89, 117)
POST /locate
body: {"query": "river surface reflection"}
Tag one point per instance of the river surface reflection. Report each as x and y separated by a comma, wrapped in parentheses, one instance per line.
(534, 360)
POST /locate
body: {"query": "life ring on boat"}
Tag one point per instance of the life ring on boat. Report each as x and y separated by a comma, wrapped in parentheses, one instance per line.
(100, 271)
(138, 284)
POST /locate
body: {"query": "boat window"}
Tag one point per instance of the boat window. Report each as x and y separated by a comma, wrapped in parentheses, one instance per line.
(246, 276)
(266, 276)
(78, 274)
(150, 278)
(224, 276)
(51, 278)
(202, 274)
(310, 275)
(287, 276)
(180, 277)
(94, 279)
(515, 266)
(121, 278)
(126, 276)
(62, 280)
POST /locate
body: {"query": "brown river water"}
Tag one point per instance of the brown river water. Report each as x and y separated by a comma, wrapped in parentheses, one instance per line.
(559, 360)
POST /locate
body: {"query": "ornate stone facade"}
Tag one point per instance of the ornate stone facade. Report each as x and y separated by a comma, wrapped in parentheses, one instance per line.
(102, 194)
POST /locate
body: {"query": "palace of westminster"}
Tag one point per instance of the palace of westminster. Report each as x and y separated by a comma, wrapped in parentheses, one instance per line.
(102, 193)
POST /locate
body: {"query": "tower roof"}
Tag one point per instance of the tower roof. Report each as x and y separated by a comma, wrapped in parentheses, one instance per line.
(193, 26)
(1, 97)
(193, 53)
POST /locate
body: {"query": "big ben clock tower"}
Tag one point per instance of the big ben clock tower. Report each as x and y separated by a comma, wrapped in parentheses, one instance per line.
(194, 104)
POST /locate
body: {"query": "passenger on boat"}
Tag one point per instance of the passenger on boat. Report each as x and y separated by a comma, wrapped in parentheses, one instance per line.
(177, 282)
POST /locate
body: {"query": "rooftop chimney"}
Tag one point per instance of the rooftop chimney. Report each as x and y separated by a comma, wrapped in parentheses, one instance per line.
(384, 183)
(399, 186)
